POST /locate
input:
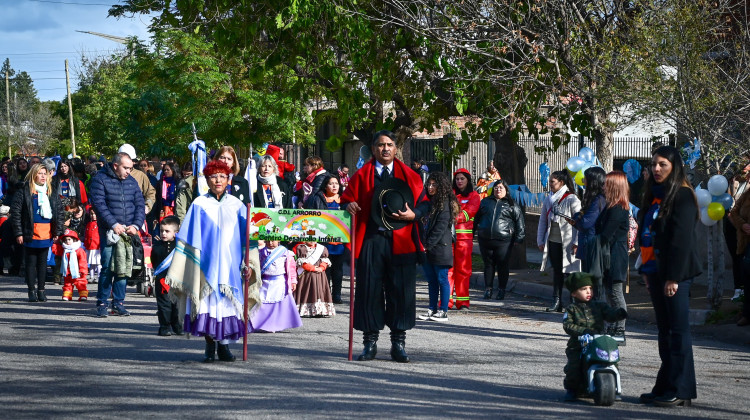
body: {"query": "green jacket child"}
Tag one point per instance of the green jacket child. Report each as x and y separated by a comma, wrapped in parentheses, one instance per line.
(582, 317)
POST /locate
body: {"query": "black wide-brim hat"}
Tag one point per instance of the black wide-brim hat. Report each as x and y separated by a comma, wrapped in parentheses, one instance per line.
(391, 196)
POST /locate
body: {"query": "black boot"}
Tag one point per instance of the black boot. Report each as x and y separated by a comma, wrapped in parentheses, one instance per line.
(398, 344)
(556, 305)
(41, 296)
(224, 354)
(32, 296)
(488, 293)
(210, 354)
(500, 294)
(370, 340)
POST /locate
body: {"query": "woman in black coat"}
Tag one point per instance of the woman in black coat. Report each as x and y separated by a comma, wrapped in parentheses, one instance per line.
(37, 217)
(437, 238)
(668, 239)
(237, 186)
(273, 191)
(65, 184)
(613, 229)
(499, 224)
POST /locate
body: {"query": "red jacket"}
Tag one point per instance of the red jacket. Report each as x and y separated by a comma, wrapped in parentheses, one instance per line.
(360, 190)
(83, 264)
(91, 237)
(465, 219)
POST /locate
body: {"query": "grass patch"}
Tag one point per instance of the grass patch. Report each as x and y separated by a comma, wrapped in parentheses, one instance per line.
(720, 317)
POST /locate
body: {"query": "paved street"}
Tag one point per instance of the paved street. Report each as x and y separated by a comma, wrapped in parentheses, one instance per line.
(499, 360)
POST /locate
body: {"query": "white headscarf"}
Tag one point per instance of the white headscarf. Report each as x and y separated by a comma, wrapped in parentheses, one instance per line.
(45, 209)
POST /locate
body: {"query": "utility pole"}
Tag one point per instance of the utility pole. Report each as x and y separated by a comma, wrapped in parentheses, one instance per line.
(7, 109)
(70, 110)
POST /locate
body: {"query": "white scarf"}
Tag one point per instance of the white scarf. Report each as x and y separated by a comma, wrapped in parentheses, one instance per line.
(275, 190)
(553, 201)
(312, 258)
(43, 200)
(70, 260)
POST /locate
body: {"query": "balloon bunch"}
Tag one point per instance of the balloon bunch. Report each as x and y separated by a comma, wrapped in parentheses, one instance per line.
(577, 165)
(714, 202)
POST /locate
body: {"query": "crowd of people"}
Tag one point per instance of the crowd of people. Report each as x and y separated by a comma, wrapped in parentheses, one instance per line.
(85, 218)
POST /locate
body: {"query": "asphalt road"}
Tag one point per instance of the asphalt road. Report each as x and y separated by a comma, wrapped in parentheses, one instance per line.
(502, 359)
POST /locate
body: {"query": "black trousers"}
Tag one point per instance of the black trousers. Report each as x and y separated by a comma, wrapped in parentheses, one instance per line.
(166, 311)
(335, 272)
(496, 258)
(730, 236)
(555, 258)
(386, 291)
(676, 376)
(35, 260)
(746, 281)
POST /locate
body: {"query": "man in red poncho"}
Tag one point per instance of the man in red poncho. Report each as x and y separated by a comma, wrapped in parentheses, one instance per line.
(386, 259)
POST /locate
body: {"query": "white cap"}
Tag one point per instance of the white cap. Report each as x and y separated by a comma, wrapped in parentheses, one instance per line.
(4, 209)
(126, 148)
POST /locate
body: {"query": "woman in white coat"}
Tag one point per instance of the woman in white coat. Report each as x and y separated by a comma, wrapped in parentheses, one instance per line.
(558, 239)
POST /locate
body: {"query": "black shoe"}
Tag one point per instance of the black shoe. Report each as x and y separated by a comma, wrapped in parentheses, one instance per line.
(619, 335)
(647, 398)
(177, 331)
(32, 296)
(398, 346)
(41, 296)
(570, 396)
(500, 294)
(337, 300)
(664, 401)
(556, 305)
(370, 340)
(210, 353)
(165, 332)
(488, 293)
(224, 354)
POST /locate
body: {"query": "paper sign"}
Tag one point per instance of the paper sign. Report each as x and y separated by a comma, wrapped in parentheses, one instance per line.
(296, 225)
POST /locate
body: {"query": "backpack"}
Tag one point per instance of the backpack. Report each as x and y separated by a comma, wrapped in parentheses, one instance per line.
(632, 233)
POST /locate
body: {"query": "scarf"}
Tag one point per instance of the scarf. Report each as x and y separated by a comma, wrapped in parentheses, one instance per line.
(311, 258)
(553, 200)
(43, 200)
(70, 260)
(275, 190)
(307, 187)
(167, 191)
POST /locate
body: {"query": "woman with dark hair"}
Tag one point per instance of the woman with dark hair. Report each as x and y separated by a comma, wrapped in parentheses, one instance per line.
(558, 240)
(147, 168)
(437, 239)
(329, 198)
(314, 180)
(237, 185)
(670, 263)
(460, 274)
(613, 229)
(585, 220)
(500, 223)
(166, 195)
(272, 191)
(66, 185)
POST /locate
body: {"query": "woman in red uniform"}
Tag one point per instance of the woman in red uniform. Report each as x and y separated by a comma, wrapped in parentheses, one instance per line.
(459, 275)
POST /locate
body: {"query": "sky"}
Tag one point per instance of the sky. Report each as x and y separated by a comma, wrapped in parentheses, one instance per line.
(38, 35)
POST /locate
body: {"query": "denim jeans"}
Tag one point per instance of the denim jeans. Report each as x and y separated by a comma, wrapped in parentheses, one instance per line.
(437, 282)
(107, 282)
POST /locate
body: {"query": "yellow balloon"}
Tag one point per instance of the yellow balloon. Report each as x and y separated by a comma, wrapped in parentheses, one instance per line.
(715, 211)
(579, 177)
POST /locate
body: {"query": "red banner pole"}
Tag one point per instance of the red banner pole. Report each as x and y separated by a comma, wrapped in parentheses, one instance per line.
(246, 281)
(353, 242)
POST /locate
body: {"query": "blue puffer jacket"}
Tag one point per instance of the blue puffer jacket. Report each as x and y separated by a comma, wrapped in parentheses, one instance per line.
(116, 200)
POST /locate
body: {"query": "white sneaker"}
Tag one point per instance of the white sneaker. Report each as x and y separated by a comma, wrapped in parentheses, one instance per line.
(427, 316)
(738, 293)
(440, 316)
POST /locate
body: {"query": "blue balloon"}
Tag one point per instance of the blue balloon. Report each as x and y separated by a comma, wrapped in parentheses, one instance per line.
(544, 173)
(725, 200)
(575, 164)
(586, 154)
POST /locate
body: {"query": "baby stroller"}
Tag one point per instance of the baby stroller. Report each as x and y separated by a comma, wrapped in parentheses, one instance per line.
(144, 277)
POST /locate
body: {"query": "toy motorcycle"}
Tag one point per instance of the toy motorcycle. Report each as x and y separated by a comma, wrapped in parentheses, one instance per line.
(600, 354)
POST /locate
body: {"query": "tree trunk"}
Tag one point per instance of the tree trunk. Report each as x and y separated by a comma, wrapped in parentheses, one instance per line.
(605, 145)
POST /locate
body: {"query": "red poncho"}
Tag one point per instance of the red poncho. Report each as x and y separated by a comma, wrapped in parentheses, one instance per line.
(361, 189)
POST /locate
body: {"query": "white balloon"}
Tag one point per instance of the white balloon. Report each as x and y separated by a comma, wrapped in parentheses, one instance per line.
(704, 198)
(705, 219)
(717, 185)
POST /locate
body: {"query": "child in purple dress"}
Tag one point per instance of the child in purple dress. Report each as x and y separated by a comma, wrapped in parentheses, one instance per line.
(278, 310)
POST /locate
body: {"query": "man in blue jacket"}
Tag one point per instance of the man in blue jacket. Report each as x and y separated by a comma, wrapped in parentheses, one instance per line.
(119, 206)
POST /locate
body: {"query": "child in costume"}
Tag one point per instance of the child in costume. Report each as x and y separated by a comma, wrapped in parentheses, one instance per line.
(166, 310)
(279, 275)
(583, 317)
(313, 295)
(73, 265)
(91, 243)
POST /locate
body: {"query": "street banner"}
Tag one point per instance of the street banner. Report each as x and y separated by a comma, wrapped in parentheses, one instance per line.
(300, 225)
